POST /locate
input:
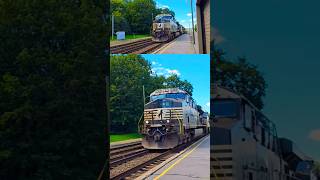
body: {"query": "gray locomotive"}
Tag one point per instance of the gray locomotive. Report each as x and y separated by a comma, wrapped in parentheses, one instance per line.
(170, 118)
(245, 144)
(165, 28)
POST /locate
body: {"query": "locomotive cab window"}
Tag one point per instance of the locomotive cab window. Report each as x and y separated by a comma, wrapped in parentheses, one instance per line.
(163, 103)
(161, 96)
(162, 19)
(225, 108)
(176, 96)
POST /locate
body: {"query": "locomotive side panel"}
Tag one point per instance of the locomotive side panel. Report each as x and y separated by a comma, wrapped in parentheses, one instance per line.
(245, 143)
(255, 156)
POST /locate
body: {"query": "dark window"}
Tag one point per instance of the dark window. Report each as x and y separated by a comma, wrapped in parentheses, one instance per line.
(161, 96)
(250, 176)
(274, 144)
(163, 103)
(176, 96)
(225, 108)
(220, 136)
(253, 121)
(263, 136)
(162, 19)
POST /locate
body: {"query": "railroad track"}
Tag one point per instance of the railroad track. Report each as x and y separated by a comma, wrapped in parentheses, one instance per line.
(123, 147)
(134, 165)
(144, 46)
(138, 47)
(126, 152)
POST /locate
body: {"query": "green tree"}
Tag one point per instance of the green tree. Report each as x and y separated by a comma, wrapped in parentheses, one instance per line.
(52, 105)
(165, 11)
(135, 17)
(129, 73)
(239, 75)
(174, 81)
(139, 15)
(118, 10)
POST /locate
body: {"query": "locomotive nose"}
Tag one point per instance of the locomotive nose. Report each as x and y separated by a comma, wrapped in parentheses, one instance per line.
(157, 136)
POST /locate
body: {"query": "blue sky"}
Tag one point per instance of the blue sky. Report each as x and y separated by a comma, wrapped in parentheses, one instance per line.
(193, 68)
(282, 39)
(182, 9)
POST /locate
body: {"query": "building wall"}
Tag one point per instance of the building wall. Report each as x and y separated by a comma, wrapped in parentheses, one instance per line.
(207, 24)
(203, 24)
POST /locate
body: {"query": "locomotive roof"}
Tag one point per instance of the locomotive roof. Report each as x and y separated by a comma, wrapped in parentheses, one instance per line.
(167, 91)
(160, 15)
(223, 92)
(290, 148)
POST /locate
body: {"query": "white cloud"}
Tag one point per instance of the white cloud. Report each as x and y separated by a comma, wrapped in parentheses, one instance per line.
(183, 21)
(217, 37)
(165, 6)
(161, 71)
(315, 134)
(208, 104)
(173, 71)
(162, 6)
(154, 63)
(189, 14)
(158, 69)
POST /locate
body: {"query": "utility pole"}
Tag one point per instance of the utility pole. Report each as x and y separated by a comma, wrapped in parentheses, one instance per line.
(112, 25)
(144, 96)
(192, 23)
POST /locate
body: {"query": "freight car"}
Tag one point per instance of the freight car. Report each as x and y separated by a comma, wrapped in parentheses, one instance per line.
(170, 118)
(164, 28)
(245, 144)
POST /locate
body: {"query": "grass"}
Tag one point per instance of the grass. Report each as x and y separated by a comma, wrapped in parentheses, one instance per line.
(131, 36)
(123, 137)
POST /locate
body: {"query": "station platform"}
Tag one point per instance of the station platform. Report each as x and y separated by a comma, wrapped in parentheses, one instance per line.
(194, 163)
(181, 45)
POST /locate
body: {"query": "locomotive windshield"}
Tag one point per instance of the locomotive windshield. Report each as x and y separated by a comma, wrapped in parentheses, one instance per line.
(171, 95)
(225, 108)
(162, 19)
(163, 103)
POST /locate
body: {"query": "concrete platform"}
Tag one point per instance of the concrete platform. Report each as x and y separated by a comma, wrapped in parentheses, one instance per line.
(181, 45)
(194, 163)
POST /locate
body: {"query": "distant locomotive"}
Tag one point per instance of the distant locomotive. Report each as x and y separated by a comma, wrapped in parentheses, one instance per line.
(245, 144)
(170, 119)
(165, 28)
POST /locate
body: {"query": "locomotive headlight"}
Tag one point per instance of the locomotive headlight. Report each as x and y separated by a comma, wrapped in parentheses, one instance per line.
(168, 121)
(147, 122)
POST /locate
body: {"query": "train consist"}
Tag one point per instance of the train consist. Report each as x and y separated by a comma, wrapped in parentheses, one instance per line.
(171, 118)
(245, 144)
(165, 28)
